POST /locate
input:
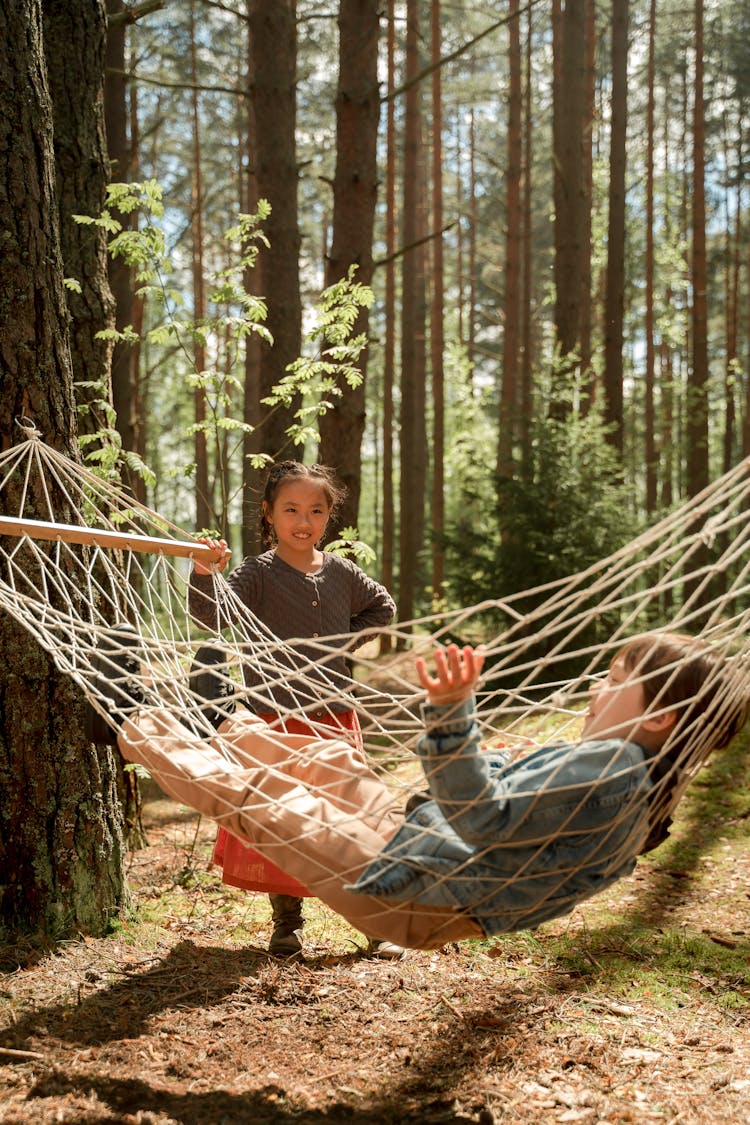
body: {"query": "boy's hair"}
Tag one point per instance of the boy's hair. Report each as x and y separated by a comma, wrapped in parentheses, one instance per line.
(707, 690)
(284, 471)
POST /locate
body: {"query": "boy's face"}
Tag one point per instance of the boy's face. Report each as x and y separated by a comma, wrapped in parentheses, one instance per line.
(617, 706)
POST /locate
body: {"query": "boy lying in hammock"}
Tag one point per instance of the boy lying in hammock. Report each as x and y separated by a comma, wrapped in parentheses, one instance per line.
(496, 845)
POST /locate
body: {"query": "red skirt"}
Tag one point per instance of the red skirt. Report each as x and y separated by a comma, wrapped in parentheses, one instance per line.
(241, 865)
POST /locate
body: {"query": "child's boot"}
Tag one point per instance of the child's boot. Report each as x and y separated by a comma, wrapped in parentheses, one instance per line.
(286, 939)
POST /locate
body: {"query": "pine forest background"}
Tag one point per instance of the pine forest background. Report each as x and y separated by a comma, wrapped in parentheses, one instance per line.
(550, 203)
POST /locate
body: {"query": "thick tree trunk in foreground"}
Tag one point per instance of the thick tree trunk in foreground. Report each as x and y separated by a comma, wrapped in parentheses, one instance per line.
(60, 824)
(74, 41)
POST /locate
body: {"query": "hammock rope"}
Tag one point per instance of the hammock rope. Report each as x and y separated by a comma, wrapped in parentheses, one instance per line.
(81, 561)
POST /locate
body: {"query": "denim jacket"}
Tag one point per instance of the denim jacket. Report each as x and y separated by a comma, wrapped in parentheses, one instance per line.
(514, 843)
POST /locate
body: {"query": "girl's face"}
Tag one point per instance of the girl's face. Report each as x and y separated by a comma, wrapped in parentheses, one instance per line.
(299, 515)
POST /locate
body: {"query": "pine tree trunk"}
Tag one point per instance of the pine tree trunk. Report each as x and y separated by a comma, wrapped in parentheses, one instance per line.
(568, 70)
(471, 336)
(274, 62)
(204, 516)
(389, 345)
(437, 313)
(60, 823)
(697, 390)
(507, 420)
(614, 307)
(587, 163)
(650, 378)
(732, 323)
(75, 30)
(252, 441)
(527, 335)
(413, 440)
(120, 171)
(355, 188)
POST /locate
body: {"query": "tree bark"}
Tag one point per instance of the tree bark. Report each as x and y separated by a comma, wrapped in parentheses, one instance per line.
(123, 151)
(413, 438)
(61, 847)
(437, 313)
(527, 335)
(696, 430)
(587, 164)
(74, 34)
(253, 281)
(650, 378)
(507, 420)
(274, 52)
(355, 188)
(614, 307)
(389, 346)
(568, 71)
(204, 518)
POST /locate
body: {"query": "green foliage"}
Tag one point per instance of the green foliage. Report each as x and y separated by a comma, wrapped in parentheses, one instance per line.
(329, 362)
(571, 510)
(568, 509)
(349, 543)
(318, 377)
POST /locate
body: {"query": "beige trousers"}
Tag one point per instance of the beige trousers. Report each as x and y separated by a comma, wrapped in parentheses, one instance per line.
(311, 806)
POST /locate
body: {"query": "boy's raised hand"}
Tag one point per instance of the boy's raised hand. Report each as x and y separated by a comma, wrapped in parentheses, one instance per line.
(219, 545)
(457, 673)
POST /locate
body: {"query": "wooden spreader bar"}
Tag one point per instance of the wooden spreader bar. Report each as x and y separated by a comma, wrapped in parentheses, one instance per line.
(99, 537)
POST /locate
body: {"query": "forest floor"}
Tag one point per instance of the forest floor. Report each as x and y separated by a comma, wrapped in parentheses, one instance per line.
(634, 1009)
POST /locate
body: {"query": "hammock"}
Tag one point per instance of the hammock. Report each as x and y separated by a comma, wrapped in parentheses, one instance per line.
(85, 568)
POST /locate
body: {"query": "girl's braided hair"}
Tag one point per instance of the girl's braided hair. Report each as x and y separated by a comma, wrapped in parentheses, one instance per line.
(284, 471)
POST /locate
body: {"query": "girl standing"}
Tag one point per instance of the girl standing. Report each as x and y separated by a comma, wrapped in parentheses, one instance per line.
(296, 590)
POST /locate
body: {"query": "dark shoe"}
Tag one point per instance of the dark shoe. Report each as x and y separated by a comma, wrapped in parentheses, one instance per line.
(210, 687)
(286, 939)
(385, 950)
(115, 669)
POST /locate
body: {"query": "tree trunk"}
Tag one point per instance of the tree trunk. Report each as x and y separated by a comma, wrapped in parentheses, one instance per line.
(587, 162)
(389, 345)
(120, 277)
(274, 52)
(512, 303)
(74, 33)
(568, 70)
(697, 390)
(60, 822)
(527, 335)
(649, 382)
(204, 518)
(252, 441)
(437, 313)
(615, 295)
(731, 370)
(413, 439)
(471, 338)
(355, 188)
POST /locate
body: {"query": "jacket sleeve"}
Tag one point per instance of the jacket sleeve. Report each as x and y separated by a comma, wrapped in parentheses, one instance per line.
(563, 787)
(372, 607)
(213, 603)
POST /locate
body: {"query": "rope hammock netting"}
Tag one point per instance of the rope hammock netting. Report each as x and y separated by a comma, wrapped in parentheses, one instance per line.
(103, 584)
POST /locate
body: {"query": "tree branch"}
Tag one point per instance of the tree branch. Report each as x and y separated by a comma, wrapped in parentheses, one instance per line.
(413, 245)
(457, 53)
(133, 12)
(234, 90)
